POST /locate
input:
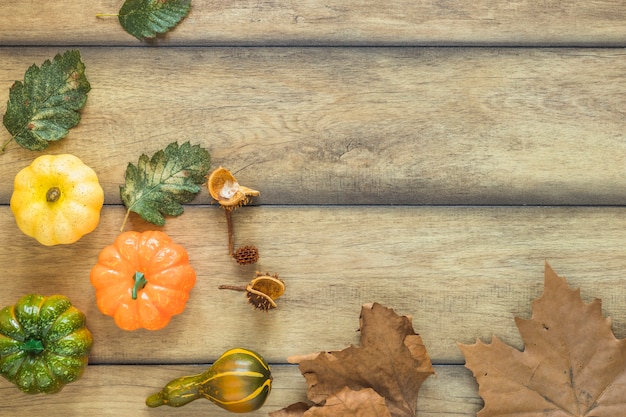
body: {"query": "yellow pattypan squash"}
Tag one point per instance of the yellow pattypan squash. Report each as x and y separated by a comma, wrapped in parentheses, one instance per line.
(57, 199)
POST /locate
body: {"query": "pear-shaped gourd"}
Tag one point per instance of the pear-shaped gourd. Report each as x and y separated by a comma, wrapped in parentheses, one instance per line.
(239, 381)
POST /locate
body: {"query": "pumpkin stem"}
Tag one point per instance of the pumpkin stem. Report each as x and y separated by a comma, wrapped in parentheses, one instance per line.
(53, 194)
(33, 346)
(140, 282)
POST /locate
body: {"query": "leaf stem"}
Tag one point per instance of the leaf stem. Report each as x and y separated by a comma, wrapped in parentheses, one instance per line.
(107, 14)
(5, 144)
(125, 220)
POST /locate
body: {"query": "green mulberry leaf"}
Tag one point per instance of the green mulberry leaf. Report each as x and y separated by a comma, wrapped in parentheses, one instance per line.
(45, 106)
(158, 186)
(146, 18)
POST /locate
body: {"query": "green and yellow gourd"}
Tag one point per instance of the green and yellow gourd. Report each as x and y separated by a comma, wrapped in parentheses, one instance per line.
(239, 381)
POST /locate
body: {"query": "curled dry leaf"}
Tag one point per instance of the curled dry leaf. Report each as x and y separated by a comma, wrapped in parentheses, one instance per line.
(391, 360)
(572, 364)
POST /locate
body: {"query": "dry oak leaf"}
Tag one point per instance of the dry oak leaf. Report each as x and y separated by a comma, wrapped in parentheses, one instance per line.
(572, 364)
(391, 360)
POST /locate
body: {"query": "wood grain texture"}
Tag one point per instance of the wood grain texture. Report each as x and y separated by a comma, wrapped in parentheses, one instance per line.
(120, 390)
(434, 180)
(314, 22)
(460, 272)
(357, 125)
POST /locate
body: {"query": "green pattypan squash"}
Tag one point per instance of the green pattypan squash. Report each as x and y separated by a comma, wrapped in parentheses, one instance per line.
(44, 343)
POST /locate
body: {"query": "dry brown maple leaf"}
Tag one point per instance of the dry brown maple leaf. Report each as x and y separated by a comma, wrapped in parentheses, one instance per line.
(572, 364)
(391, 360)
(345, 403)
(348, 403)
(294, 410)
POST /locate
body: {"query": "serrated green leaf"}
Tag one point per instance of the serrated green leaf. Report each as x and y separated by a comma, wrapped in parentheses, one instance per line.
(45, 106)
(146, 18)
(157, 186)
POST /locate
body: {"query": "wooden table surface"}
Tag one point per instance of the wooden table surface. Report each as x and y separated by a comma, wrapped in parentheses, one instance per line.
(426, 155)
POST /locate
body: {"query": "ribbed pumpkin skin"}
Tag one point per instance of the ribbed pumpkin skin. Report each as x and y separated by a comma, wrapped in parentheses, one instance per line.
(239, 381)
(44, 343)
(57, 199)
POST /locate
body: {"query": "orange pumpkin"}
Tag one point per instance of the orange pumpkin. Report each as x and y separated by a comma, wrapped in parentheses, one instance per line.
(142, 280)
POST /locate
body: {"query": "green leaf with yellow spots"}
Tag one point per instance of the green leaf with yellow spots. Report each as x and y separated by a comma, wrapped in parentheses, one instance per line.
(147, 18)
(46, 104)
(158, 186)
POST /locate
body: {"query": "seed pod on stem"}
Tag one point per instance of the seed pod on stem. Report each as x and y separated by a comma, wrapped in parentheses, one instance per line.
(262, 291)
(225, 189)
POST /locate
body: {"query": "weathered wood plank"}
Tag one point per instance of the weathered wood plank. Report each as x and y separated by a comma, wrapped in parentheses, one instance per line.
(357, 125)
(350, 132)
(461, 272)
(121, 390)
(371, 22)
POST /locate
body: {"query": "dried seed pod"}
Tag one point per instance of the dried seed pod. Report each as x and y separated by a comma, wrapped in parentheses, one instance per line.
(262, 291)
(246, 255)
(225, 189)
